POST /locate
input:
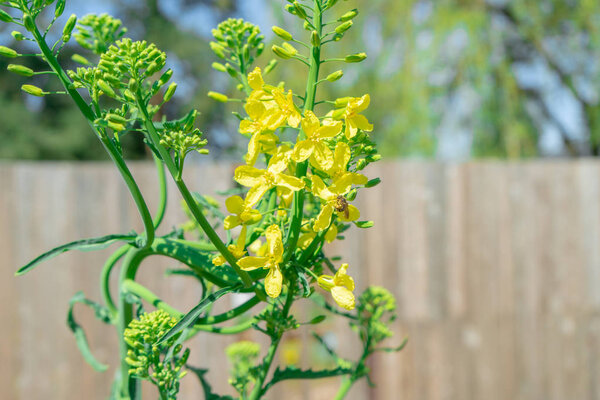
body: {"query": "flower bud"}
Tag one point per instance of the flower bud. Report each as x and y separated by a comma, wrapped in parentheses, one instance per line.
(334, 76)
(259, 49)
(69, 26)
(231, 71)
(116, 119)
(352, 195)
(115, 126)
(5, 17)
(79, 59)
(326, 282)
(280, 52)
(219, 67)
(290, 8)
(343, 27)
(282, 33)
(33, 90)
(270, 66)
(105, 87)
(361, 164)
(374, 157)
(217, 49)
(20, 69)
(330, 4)
(354, 58)
(165, 77)
(373, 182)
(170, 92)
(315, 39)
(307, 26)
(342, 101)
(18, 35)
(60, 8)
(220, 97)
(349, 15)
(338, 114)
(28, 22)
(8, 52)
(364, 224)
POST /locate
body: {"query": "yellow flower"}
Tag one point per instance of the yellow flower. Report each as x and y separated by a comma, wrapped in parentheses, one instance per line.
(262, 139)
(355, 121)
(341, 286)
(334, 201)
(256, 82)
(286, 112)
(244, 213)
(306, 238)
(339, 168)
(314, 145)
(237, 250)
(260, 180)
(270, 261)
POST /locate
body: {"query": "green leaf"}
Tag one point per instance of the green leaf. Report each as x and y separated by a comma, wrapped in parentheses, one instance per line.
(317, 320)
(102, 313)
(364, 224)
(189, 318)
(81, 245)
(297, 373)
(208, 393)
(394, 349)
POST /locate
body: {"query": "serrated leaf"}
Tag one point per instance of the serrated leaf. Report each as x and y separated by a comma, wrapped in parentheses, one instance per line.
(91, 244)
(80, 337)
(189, 318)
(395, 349)
(297, 373)
(208, 393)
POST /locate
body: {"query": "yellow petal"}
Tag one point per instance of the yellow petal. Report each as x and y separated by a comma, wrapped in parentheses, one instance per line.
(310, 123)
(341, 278)
(343, 297)
(255, 109)
(255, 194)
(231, 221)
(303, 150)
(248, 176)
(323, 219)
(341, 156)
(249, 217)
(234, 204)
(359, 179)
(218, 260)
(320, 190)
(305, 239)
(255, 79)
(351, 128)
(352, 215)
(247, 126)
(274, 242)
(290, 182)
(341, 185)
(326, 282)
(249, 263)
(273, 282)
(361, 122)
(329, 129)
(331, 234)
(322, 156)
(278, 164)
(361, 104)
(294, 118)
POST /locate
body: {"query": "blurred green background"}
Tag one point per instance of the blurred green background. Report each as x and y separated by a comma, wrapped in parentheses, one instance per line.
(449, 79)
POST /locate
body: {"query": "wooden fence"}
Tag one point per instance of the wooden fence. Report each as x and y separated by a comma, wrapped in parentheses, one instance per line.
(496, 267)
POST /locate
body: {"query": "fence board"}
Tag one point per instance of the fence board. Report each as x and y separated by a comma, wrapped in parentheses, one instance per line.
(496, 268)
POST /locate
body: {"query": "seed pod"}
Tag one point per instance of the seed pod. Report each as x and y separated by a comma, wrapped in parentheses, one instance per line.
(20, 69)
(220, 97)
(18, 35)
(8, 52)
(60, 8)
(282, 33)
(5, 17)
(28, 22)
(69, 26)
(33, 90)
(170, 92)
(315, 39)
(343, 27)
(334, 76)
(348, 16)
(355, 58)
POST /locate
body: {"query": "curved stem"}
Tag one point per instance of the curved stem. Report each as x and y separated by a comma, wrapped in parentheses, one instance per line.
(105, 279)
(146, 294)
(162, 187)
(106, 142)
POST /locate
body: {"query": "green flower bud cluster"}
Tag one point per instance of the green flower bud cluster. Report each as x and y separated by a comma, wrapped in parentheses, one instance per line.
(98, 32)
(144, 357)
(243, 356)
(276, 322)
(182, 137)
(376, 310)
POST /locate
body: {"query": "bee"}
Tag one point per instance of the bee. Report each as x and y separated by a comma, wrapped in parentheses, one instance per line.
(341, 205)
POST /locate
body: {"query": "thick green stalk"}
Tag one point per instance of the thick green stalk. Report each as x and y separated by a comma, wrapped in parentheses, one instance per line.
(146, 294)
(309, 105)
(162, 187)
(194, 207)
(106, 142)
(105, 278)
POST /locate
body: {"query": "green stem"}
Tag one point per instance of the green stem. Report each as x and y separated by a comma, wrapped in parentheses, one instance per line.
(344, 388)
(162, 187)
(194, 207)
(146, 294)
(301, 168)
(105, 278)
(106, 142)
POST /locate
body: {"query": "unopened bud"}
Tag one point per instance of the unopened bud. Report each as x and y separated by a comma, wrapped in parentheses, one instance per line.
(282, 33)
(105, 87)
(330, 4)
(315, 39)
(280, 52)
(220, 97)
(342, 101)
(307, 26)
(291, 9)
(69, 26)
(60, 8)
(343, 27)
(18, 35)
(28, 22)
(5, 17)
(116, 118)
(270, 66)
(361, 164)
(115, 126)
(354, 58)
(219, 67)
(231, 71)
(334, 76)
(170, 92)
(8, 52)
(299, 10)
(80, 59)
(349, 15)
(373, 183)
(374, 157)
(33, 90)
(165, 77)
(352, 195)
(217, 49)
(20, 69)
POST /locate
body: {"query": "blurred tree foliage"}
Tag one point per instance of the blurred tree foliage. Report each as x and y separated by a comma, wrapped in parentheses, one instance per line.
(443, 77)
